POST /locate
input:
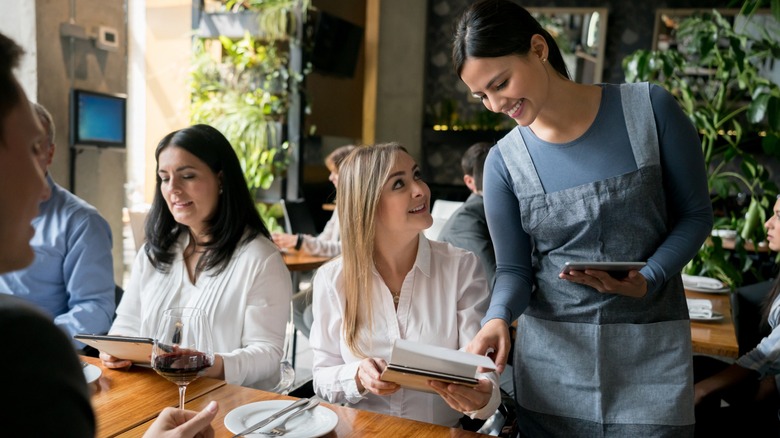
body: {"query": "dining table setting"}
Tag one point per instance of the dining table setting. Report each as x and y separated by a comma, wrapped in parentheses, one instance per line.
(126, 403)
(709, 308)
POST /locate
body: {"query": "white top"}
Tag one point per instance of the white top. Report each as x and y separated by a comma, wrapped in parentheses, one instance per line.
(248, 306)
(328, 242)
(442, 300)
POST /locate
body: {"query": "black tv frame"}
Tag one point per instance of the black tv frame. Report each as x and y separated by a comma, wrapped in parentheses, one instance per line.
(75, 116)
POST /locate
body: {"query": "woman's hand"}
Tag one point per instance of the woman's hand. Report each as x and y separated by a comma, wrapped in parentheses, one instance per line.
(116, 363)
(283, 240)
(493, 339)
(462, 398)
(633, 285)
(367, 377)
(178, 423)
(216, 370)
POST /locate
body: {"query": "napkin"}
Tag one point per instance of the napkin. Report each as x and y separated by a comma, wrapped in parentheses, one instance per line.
(699, 308)
(701, 282)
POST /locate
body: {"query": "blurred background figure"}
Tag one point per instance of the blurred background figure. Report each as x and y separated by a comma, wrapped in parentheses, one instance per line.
(72, 277)
(467, 227)
(327, 243)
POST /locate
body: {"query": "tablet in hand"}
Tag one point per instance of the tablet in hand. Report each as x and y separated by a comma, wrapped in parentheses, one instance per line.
(614, 269)
(138, 350)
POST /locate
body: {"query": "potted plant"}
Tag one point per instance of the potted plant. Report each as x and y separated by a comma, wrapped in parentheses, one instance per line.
(242, 87)
(715, 74)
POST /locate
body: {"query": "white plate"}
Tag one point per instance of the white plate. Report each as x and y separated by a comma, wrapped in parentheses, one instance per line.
(704, 284)
(706, 290)
(715, 317)
(92, 373)
(313, 423)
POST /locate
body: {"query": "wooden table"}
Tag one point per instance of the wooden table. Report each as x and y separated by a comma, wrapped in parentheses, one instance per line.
(714, 337)
(123, 400)
(302, 261)
(127, 402)
(352, 422)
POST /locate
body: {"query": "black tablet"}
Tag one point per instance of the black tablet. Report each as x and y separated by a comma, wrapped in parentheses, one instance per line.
(615, 269)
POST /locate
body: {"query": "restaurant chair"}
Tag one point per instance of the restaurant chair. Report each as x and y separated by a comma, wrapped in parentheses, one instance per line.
(503, 423)
(297, 217)
(441, 211)
(118, 294)
(746, 304)
(287, 364)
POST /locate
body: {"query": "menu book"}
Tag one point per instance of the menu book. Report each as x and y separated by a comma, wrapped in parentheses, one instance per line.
(412, 364)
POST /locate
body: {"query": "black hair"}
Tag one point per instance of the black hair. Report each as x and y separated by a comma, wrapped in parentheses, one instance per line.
(473, 161)
(495, 28)
(10, 93)
(236, 215)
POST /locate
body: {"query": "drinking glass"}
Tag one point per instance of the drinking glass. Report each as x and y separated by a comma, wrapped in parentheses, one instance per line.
(183, 347)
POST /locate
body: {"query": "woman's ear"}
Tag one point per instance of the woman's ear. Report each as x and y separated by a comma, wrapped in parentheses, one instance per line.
(539, 46)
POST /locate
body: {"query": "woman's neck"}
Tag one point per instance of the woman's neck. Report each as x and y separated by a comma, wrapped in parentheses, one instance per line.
(394, 256)
(568, 112)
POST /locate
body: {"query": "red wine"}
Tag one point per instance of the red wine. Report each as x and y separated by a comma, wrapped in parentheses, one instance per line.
(182, 366)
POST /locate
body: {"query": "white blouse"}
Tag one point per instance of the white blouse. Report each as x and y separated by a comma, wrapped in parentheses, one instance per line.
(442, 300)
(248, 305)
(328, 242)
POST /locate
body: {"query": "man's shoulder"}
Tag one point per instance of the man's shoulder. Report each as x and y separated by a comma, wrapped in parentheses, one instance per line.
(72, 207)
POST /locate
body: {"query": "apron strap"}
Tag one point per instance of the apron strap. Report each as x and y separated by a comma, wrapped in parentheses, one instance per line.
(640, 123)
(519, 163)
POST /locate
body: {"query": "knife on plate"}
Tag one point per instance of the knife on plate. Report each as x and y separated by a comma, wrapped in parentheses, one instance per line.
(272, 417)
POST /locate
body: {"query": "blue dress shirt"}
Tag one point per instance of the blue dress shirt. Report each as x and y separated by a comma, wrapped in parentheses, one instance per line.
(72, 277)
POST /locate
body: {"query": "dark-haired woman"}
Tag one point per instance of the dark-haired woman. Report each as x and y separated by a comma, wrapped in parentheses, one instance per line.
(750, 386)
(592, 173)
(208, 248)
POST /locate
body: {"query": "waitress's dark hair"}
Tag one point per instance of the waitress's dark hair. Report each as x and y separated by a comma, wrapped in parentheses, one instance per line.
(494, 28)
(235, 221)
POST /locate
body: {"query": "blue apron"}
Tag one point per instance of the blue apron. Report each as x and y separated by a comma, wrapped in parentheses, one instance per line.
(593, 364)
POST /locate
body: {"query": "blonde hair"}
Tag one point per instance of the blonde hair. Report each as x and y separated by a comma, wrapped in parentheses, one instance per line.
(361, 178)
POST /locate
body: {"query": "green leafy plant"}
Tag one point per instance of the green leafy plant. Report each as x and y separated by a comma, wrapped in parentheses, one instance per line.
(243, 87)
(715, 74)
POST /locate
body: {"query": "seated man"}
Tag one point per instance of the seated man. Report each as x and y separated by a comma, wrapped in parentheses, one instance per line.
(72, 277)
(467, 227)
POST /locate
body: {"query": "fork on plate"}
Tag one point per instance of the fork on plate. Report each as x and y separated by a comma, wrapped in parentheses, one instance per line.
(280, 429)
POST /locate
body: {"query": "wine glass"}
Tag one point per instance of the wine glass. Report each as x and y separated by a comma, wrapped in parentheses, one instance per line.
(183, 347)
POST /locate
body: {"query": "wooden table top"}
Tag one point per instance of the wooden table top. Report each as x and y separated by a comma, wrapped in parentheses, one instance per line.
(714, 337)
(123, 400)
(352, 422)
(302, 261)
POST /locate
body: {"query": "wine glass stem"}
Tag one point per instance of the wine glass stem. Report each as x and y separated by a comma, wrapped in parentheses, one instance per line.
(182, 390)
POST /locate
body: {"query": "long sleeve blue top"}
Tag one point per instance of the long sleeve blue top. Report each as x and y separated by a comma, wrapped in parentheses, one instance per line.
(603, 151)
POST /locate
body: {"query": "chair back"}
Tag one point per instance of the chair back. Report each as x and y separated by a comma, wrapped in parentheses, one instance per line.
(441, 211)
(297, 217)
(137, 217)
(746, 312)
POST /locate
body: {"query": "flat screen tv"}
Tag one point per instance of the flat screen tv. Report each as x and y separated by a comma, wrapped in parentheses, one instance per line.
(336, 46)
(98, 119)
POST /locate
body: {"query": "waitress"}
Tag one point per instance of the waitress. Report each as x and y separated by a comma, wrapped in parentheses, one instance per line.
(592, 173)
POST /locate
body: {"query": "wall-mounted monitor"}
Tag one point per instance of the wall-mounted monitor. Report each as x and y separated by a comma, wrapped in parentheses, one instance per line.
(336, 45)
(98, 119)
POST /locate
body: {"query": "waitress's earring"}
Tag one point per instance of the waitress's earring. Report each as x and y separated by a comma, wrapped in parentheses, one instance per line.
(220, 190)
(544, 60)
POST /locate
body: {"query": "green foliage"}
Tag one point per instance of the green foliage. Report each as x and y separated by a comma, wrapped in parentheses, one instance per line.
(715, 76)
(244, 95)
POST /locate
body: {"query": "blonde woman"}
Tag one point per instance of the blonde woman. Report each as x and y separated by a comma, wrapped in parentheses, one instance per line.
(390, 283)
